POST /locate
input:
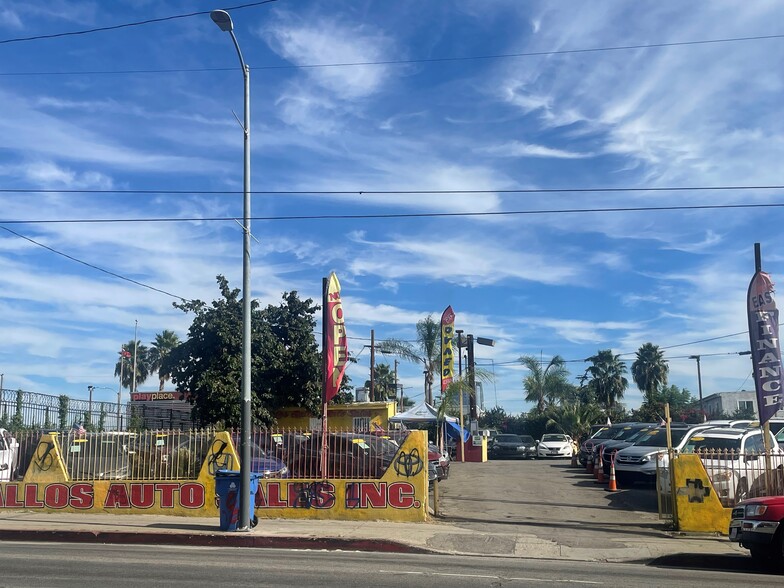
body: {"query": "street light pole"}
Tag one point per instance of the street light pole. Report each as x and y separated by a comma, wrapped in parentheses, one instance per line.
(699, 384)
(224, 22)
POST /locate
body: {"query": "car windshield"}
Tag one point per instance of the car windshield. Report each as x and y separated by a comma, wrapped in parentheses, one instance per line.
(553, 438)
(627, 433)
(698, 443)
(638, 434)
(508, 438)
(605, 433)
(658, 437)
(527, 439)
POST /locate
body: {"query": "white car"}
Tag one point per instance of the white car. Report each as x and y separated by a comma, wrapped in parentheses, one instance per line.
(554, 445)
(734, 460)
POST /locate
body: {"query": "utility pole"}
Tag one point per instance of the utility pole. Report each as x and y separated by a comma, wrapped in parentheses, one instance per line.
(471, 378)
(135, 348)
(401, 393)
(699, 384)
(119, 388)
(372, 365)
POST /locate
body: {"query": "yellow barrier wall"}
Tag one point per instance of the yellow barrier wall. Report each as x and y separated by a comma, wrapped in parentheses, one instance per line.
(341, 416)
(699, 509)
(401, 495)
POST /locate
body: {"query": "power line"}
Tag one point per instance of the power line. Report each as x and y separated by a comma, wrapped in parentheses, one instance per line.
(402, 192)
(412, 215)
(95, 267)
(127, 25)
(371, 63)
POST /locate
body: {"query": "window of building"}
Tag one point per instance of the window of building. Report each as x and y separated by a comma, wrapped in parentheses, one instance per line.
(745, 405)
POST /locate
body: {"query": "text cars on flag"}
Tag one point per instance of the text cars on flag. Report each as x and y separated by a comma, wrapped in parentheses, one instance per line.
(447, 356)
(336, 349)
(765, 347)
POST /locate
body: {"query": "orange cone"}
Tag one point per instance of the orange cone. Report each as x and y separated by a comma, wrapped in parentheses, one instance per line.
(613, 487)
(600, 468)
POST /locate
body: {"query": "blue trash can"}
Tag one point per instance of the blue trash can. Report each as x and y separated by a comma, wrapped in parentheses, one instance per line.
(227, 487)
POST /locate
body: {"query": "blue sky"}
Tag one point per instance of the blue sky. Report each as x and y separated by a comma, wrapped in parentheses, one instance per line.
(543, 284)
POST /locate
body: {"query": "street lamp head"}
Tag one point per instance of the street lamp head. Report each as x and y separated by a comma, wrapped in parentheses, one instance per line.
(223, 20)
(485, 341)
(744, 352)
(694, 357)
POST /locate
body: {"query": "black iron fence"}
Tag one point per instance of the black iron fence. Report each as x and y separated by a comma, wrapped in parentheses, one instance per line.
(21, 410)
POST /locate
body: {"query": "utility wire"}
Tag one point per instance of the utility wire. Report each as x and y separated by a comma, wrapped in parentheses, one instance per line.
(372, 63)
(127, 25)
(95, 267)
(153, 288)
(402, 192)
(393, 215)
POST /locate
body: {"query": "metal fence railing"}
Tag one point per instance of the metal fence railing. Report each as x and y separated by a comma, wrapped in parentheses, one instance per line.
(180, 454)
(30, 410)
(734, 476)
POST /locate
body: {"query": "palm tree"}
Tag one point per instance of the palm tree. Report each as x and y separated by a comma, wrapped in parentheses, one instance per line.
(427, 351)
(650, 371)
(574, 419)
(159, 351)
(383, 382)
(606, 378)
(125, 364)
(544, 386)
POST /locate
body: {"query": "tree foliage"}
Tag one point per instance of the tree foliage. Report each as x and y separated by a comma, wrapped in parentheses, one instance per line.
(426, 351)
(606, 379)
(650, 371)
(125, 364)
(545, 386)
(159, 351)
(383, 383)
(285, 361)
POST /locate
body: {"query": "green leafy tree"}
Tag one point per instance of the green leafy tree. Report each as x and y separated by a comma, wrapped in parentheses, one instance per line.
(285, 368)
(383, 382)
(650, 371)
(574, 419)
(17, 422)
(493, 419)
(544, 386)
(606, 379)
(426, 351)
(62, 410)
(125, 364)
(159, 351)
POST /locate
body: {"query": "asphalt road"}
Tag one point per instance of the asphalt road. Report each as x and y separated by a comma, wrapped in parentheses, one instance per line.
(67, 565)
(549, 499)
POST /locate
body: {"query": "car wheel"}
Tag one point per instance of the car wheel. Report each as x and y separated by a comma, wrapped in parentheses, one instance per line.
(761, 555)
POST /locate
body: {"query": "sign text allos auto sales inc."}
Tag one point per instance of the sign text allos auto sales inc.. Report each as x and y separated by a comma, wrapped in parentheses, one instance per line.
(192, 495)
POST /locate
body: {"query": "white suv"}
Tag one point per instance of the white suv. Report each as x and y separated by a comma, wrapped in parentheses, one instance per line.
(734, 460)
(637, 463)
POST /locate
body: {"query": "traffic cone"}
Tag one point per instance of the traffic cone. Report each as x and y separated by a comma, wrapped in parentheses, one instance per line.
(574, 459)
(597, 465)
(600, 469)
(613, 487)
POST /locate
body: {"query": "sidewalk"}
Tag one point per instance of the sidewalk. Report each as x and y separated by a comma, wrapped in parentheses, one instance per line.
(437, 536)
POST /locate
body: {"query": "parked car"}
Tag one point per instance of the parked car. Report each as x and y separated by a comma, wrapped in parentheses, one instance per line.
(758, 525)
(627, 437)
(602, 434)
(637, 463)
(508, 445)
(555, 445)
(733, 458)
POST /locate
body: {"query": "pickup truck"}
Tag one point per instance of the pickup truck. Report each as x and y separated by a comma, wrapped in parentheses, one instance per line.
(9, 454)
(758, 525)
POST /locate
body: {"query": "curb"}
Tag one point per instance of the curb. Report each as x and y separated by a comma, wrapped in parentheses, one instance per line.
(214, 540)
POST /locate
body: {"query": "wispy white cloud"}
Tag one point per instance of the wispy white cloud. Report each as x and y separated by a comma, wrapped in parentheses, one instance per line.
(322, 39)
(519, 149)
